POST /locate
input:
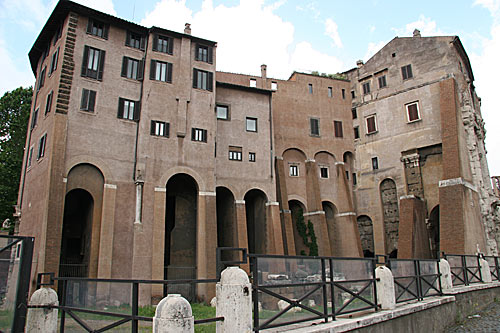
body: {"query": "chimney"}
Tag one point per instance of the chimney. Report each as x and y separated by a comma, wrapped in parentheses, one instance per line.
(263, 72)
(359, 63)
(416, 33)
(187, 29)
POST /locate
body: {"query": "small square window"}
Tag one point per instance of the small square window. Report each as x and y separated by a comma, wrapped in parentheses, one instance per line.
(366, 88)
(128, 109)
(97, 28)
(406, 72)
(371, 124)
(204, 53)
(354, 113)
(347, 175)
(160, 128)
(330, 92)
(251, 157)
(135, 40)
(354, 179)
(339, 133)
(253, 83)
(163, 44)
(353, 95)
(48, 103)
(41, 78)
(53, 62)
(294, 170)
(251, 124)
(310, 88)
(88, 100)
(199, 134)
(356, 132)
(382, 83)
(323, 172)
(34, 118)
(41, 146)
(222, 112)
(235, 153)
(314, 123)
(343, 93)
(203, 79)
(374, 163)
(30, 156)
(412, 112)
(274, 85)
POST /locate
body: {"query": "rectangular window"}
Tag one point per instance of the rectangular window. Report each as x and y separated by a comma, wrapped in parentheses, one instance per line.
(53, 62)
(294, 170)
(135, 40)
(356, 132)
(30, 157)
(374, 163)
(339, 133)
(128, 109)
(343, 93)
(222, 112)
(354, 179)
(330, 92)
(34, 118)
(48, 103)
(406, 72)
(204, 53)
(347, 175)
(412, 112)
(382, 83)
(353, 94)
(160, 71)
(88, 100)
(132, 68)
(41, 146)
(253, 83)
(274, 85)
(41, 78)
(235, 153)
(203, 80)
(160, 128)
(198, 134)
(310, 88)
(314, 123)
(58, 33)
(366, 88)
(251, 157)
(323, 172)
(97, 28)
(163, 44)
(93, 63)
(251, 124)
(354, 113)
(371, 124)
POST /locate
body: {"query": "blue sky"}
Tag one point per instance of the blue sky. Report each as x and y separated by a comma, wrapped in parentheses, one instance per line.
(327, 36)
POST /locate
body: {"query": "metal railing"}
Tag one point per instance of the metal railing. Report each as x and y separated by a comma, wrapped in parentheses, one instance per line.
(494, 263)
(465, 268)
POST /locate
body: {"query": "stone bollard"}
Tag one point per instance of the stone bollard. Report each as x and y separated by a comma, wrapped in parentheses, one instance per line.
(173, 314)
(485, 271)
(42, 320)
(234, 301)
(445, 270)
(386, 294)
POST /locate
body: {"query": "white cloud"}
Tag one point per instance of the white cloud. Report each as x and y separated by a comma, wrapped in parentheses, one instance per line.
(426, 26)
(30, 14)
(491, 5)
(169, 14)
(306, 59)
(105, 6)
(12, 77)
(331, 30)
(372, 49)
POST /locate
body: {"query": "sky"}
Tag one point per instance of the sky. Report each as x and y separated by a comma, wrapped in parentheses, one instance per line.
(327, 36)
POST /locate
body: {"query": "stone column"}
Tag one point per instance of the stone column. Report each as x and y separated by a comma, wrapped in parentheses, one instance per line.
(241, 225)
(413, 240)
(158, 241)
(139, 184)
(274, 223)
(285, 212)
(206, 243)
(173, 314)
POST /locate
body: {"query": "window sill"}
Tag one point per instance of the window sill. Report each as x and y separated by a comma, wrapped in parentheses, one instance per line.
(96, 37)
(372, 133)
(315, 135)
(92, 113)
(414, 121)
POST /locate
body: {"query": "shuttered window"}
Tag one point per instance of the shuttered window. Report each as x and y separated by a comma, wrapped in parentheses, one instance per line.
(88, 100)
(203, 80)
(314, 123)
(132, 68)
(93, 63)
(135, 40)
(161, 71)
(128, 109)
(204, 53)
(163, 44)
(339, 133)
(97, 28)
(371, 124)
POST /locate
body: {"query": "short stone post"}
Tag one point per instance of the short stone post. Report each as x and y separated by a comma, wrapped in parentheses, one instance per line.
(445, 270)
(485, 271)
(40, 319)
(386, 293)
(173, 314)
(234, 301)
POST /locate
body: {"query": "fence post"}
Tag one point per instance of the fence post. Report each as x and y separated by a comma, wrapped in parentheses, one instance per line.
(40, 319)
(173, 314)
(386, 294)
(234, 301)
(445, 278)
(485, 271)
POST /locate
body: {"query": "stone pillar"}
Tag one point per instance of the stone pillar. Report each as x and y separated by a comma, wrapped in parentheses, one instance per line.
(285, 212)
(206, 243)
(158, 241)
(173, 314)
(241, 225)
(386, 295)
(42, 320)
(413, 240)
(446, 279)
(139, 184)
(273, 220)
(234, 301)
(413, 175)
(485, 271)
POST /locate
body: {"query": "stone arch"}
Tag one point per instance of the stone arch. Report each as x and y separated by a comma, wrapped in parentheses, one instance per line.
(325, 158)
(255, 209)
(227, 233)
(390, 209)
(92, 160)
(434, 232)
(348, 159)
(298, 209)
(365, 227)
(183, 170)
(333, 233)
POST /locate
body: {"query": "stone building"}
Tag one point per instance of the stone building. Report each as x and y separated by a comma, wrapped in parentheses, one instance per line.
(141, 159)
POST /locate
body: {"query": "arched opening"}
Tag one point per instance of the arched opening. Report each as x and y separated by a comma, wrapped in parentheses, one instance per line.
(255, 206)
(226, 222)
(330, 212)
(348, 159)
(76, 234)
(434, 232)
(298, 209)
(389, 196)
(180, 230)
(365, 227)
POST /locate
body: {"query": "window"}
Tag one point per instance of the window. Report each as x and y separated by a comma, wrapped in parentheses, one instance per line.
(132, 68)
(366, 88)
(34, 118)
(30, 156)
(343, 93)
(222, 112)
(337, 125)
(314, 122)
(128, 109)
(406, 72)
(160, 128)
(382, 83)
(354, 113)
(203, 80)
(163, 44)
(204, 53)
(294, 170)
(371, 124)
(41, 78)
(356, 132)
(353, 94)
(330, 92)
(135, 40)
(251, 124)
(323, 172)
(88, 100)
(97, 28)
(347, 175)
(41, 146)
(160, 71)
(253, 83)
(310, 88)
(48, 103)
(251, 157)
(274, 85)
(374, 163)
(58, 33)
(93, 63)
(53, 62)
(412, 112)
(354, 178)
(198, 134)
(235, 153)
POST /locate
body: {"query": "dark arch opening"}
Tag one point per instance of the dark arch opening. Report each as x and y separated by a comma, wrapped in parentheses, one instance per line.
(255, 207)
(226, 222)
(330, 212)
(390, 208)
(365, 227)
(298, 210)
(434, 232)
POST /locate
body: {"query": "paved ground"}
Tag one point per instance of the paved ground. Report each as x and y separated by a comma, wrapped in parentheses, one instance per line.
(487, 320)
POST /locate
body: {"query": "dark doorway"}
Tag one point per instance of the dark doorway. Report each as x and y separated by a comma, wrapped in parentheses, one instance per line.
(434, 232)
(226, 222)
(255, 205)
(365, 227)
(298, 210)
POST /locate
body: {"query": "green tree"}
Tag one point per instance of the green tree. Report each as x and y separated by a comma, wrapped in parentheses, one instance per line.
(14, 114)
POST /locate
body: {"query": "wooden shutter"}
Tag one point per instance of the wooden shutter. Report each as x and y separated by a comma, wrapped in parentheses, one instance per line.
(210, 55)
(137, 110)
(195, 78)
(169, 72)
(370, 122)
(196, 51)
(102, 54)
(140, 70)
(121, 103)
(143, 43)
(193, 133)
(166, 132)
(85, 60)
(153, 127)
(170, 44)
(85, 99)
(152, 70)
(210, 83)
(124, 66)
(155, 43)
(89, 26)
(105, 29)
(412, 112)
(127, 39)
(92, 95)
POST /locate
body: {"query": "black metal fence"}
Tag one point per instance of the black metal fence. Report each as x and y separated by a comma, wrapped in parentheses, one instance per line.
(465, 268)
(494, 263)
